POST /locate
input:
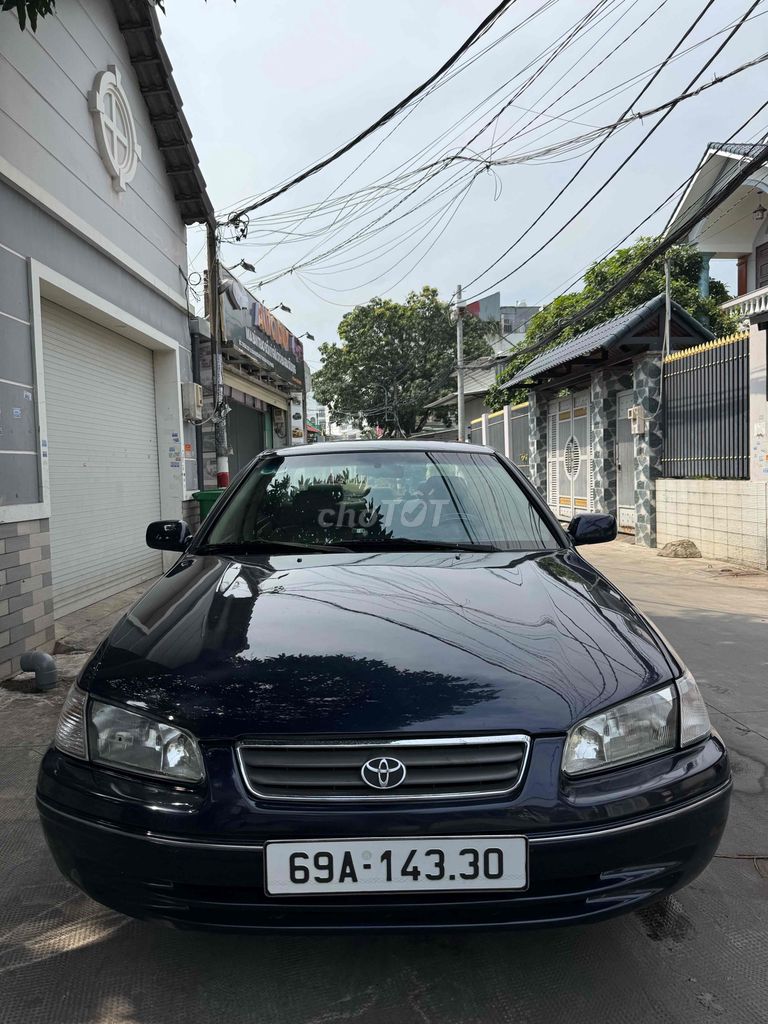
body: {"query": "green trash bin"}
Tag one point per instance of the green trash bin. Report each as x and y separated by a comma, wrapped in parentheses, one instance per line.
(207, 499)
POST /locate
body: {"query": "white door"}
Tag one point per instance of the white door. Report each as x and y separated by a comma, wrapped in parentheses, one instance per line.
(102, 461)
(625, 461)
(569, 455)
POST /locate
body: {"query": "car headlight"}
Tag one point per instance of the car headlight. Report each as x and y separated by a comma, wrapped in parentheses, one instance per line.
(638, 728)
(110, 735)
(650, 724)
(129, 740)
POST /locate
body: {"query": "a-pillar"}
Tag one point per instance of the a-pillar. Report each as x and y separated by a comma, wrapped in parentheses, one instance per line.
(537, 441)
(648, 446)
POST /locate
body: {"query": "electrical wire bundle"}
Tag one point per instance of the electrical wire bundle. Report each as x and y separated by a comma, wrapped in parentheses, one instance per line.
(394, 221)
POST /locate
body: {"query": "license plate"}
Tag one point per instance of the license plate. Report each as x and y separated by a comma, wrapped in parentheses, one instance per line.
(396, 865)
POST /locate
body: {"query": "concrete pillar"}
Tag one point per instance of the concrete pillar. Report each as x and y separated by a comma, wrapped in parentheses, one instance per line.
(484, 428)
(604, 392)
(603, 411)
(758, 405)
(507, 419)
(537, 441)
(648, 446)
(704, 274)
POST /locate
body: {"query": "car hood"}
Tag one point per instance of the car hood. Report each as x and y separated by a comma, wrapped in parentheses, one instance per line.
(377, 644)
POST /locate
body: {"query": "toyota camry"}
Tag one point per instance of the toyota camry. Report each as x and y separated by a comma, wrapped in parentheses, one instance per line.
(381, 688)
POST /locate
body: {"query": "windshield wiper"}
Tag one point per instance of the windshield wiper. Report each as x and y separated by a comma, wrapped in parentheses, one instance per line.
(249, 547)
(406, 543)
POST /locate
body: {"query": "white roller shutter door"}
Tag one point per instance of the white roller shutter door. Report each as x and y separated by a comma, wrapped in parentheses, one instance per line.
(103, 459)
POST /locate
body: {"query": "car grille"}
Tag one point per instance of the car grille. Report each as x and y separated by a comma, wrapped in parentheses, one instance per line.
(435, 769)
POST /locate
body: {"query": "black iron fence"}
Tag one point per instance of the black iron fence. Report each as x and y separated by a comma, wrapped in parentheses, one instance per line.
(705, 401)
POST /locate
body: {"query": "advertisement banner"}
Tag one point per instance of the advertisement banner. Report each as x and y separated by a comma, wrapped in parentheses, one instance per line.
(254, 332)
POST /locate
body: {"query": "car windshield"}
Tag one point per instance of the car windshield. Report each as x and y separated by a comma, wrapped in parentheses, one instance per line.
(381, 500)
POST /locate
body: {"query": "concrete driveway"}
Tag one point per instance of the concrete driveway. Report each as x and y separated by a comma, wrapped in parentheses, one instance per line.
(699, 957)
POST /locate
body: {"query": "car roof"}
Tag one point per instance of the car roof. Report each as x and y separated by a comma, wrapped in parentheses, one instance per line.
(420, 445)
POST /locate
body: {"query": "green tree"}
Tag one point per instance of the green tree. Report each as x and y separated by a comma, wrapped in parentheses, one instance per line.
(395, 358)
(685, 267)
(29, 9)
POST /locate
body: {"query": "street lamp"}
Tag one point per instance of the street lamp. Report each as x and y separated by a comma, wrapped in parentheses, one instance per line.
(759, 213)
(282, 306)
(246, 266)
(306, 334)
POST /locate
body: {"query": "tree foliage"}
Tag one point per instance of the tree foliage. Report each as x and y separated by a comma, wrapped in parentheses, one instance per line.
(394, 359)
(29, 10)
(685, 267)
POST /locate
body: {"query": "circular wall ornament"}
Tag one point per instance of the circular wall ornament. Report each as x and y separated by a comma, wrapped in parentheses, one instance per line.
(571, 457)
(115, 127)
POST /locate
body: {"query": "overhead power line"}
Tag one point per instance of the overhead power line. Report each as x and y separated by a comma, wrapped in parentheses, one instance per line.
(696, 207)
(593, 153)
(409, 186)
(481, 29)
(681, 232)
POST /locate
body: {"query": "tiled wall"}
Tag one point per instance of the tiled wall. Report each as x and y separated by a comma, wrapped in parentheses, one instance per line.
(537, 441)
(648, 449)
(726, 519)
(26, 603)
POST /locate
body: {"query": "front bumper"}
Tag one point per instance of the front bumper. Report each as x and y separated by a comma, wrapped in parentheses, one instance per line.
(575, 876)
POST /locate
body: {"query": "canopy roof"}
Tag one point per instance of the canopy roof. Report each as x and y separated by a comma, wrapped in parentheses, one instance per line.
(637, 329)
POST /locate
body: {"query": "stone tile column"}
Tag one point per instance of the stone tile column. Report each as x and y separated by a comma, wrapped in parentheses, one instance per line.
(537, 441)
(603, 406)
(604, 391)
(648, 446)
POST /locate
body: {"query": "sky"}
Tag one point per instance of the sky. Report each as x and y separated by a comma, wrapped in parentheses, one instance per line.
(270, 87)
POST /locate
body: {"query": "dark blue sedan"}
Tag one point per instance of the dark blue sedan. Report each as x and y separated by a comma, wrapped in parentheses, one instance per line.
(380, 688)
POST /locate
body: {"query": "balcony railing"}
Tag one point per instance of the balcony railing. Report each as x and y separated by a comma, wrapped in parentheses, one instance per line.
(752, 304)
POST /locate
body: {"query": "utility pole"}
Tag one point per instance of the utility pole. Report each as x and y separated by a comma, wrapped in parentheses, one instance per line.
(214, 313)
(461, 427)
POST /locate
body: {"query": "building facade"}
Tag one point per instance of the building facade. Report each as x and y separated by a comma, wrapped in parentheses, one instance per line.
(595, 416)
(263, 380)
(98, 180)
(728, 518)
(507, 327)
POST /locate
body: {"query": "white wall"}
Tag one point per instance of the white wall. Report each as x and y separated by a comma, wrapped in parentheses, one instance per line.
(726, 519)
(758, 404)
(47, 135)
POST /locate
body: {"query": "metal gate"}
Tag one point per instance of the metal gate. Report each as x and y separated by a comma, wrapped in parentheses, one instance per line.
(569, 455)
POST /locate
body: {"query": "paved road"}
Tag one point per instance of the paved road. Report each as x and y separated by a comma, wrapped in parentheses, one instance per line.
(702, 957)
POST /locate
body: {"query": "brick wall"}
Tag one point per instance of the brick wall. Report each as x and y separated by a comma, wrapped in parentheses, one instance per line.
(26, 602)
(726, 519)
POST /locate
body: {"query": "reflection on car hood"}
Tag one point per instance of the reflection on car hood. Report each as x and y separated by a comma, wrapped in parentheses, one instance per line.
(378, 643)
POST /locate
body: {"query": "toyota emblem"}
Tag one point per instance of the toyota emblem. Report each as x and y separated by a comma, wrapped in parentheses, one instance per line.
(383, 772)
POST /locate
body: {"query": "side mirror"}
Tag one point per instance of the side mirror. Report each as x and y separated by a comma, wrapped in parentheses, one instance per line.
(592, 528)
(169, 535)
